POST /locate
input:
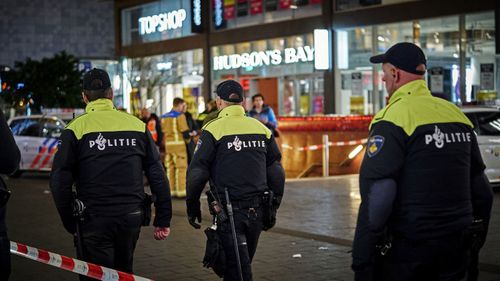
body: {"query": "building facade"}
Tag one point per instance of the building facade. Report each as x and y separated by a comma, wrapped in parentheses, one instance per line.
(40, 29)
(307, 57)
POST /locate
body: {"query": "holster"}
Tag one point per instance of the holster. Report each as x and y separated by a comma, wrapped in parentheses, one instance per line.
(474, 236)
(380, 268)
(146, 209)
(270, 204)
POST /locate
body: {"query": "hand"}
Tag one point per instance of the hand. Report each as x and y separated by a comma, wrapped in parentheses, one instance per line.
(161, 233)
(192, 219)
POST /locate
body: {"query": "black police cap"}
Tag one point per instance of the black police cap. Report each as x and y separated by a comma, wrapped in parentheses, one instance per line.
(230, 90)
(96, 79)
(406, 56)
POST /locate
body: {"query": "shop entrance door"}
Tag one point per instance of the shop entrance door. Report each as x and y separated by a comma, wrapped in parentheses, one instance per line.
(268, 87)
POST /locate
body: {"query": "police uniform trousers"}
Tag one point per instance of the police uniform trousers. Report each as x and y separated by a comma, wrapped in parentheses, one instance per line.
(248, 224)
(443, 259)
(110, 241)
(176, 165)
(4, 248)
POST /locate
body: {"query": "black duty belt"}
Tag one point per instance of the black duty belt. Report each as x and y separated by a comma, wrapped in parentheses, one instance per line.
(246, 204)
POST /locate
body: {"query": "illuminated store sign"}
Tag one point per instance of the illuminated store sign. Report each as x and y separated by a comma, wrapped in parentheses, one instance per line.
(218, 14)
(264, 58)
(162, 22)
(196, 23)
(197, 12)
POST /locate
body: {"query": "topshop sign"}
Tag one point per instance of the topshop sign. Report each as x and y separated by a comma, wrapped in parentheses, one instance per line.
(264, 58)
(162, 22)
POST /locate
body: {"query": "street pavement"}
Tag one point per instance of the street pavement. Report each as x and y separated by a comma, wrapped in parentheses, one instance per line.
(316, 222)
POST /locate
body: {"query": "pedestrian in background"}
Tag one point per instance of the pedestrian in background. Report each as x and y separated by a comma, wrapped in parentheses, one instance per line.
(9, 161)
(176, 135)
(422, 181)
(154, 126)
(210, 107)
(264, 113)
(193, 133)
(105, 152)
(238, 153)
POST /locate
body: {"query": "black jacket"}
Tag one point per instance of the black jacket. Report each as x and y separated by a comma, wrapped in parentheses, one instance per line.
(9, 158)
(105, 152)
(234, 152)
(427, 147)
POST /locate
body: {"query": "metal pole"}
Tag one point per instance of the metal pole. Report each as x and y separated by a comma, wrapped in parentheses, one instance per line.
(326, 156)
(233, 230)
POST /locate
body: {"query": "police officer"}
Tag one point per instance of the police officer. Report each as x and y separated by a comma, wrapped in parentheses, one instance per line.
(238, 153)
(422, 180)
(9, 161)
(105, 152)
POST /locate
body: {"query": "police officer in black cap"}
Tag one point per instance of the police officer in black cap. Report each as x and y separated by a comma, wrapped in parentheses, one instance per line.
(422, 182)
(238, 153)
(106, 152)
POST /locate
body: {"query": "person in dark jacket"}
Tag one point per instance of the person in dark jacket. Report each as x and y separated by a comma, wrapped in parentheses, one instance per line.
(105, 152)
(264, 113)
(422, 181)
(210, 107)
(9, 161)
(238, 153)
(193, 136)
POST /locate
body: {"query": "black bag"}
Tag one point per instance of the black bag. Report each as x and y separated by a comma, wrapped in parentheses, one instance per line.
(215, 257)
(146, 209)
(4, 193)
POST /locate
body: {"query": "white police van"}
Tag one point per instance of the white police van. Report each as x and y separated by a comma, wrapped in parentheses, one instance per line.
(37, 137)
(486, 121)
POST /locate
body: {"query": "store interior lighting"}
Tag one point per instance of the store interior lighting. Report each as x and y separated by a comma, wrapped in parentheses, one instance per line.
(342, 49)
(322, 45)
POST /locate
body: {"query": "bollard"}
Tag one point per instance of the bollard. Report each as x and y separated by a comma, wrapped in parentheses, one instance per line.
(326, 156)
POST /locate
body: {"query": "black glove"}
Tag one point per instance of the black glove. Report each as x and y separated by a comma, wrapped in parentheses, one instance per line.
(192, 216)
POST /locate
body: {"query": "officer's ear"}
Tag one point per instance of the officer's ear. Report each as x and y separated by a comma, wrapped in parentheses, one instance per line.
(396, 74)
(85, 99)
(218, 102)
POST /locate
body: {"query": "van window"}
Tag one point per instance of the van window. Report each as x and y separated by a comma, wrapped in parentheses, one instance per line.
(26, 127)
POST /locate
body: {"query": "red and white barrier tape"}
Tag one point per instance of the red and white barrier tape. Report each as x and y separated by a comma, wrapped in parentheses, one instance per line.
(77, 266)
(320, 146)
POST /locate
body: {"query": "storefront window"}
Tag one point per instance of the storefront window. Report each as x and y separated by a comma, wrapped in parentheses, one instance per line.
(156, 80)
(238, 13)
(439, 39)
(361, 90)
(282, 69)
(481, 82)
(156, 21)
(354, 49)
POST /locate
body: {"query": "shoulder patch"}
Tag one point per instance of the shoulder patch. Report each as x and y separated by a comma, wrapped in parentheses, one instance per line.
(374, 145)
